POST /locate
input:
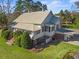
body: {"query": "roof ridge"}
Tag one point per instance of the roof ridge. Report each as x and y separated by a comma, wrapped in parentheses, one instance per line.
(36, 12)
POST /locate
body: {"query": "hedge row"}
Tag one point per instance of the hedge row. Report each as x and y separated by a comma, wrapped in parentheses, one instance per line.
(22, 39)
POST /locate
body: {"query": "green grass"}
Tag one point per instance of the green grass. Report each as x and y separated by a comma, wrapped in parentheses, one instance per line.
(51, 52)
(57, 52)
(14, 52)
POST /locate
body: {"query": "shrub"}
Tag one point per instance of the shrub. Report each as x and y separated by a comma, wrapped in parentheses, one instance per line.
(22, 39)
(18, 41)
(25, 40)
(5, 34)
(17, 33)
(4, 29)
(17, 37)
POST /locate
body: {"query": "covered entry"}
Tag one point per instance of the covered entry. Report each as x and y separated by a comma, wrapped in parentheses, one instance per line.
(64, 34)
(40, 41)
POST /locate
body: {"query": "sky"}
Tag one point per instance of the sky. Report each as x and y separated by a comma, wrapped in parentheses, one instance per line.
(55, 5)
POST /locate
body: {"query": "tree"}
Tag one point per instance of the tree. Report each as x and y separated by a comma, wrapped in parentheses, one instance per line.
(29, 6)
(62, 16)
(44, 7)
(19, 6)
(61, 13)
(67, 16)
(38, 6)
(2, 6)
(6, 6)
(77, 4)
(23, 6)
(3, 20)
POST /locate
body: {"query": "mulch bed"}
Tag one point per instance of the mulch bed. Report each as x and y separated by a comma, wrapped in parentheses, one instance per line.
(36, 49)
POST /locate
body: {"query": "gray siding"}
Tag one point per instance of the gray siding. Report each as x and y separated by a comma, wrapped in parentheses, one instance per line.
(48, 18)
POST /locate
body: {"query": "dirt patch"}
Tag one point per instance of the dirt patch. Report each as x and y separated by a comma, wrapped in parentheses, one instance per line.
(36, 50)
(10, 42)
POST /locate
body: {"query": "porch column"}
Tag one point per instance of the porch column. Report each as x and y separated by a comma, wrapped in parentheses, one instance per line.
(31, 35)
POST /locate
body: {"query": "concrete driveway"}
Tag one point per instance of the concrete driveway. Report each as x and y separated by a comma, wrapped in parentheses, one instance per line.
(75, 39)
(74, 42)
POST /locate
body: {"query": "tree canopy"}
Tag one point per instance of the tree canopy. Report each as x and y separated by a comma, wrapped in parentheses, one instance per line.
(3, 19)
(66, 17)
(29, 6)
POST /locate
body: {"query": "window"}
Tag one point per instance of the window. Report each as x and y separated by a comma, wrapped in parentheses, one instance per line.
(46, 28)
(49, 29)
(43, 29)
(52, 28)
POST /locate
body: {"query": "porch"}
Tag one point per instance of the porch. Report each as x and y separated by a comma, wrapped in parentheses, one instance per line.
(46, 30)
(44, 42)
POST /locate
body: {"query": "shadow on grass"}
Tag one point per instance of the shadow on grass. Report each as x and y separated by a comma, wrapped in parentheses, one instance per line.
(42, 46)
(71, 55)
(54, 42)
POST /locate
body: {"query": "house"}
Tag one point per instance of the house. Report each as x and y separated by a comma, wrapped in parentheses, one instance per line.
(42, 25)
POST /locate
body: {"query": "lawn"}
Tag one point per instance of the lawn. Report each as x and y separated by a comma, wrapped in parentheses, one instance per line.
(51, 52)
